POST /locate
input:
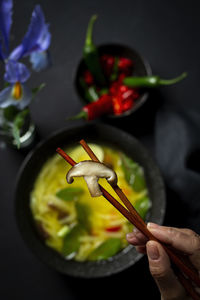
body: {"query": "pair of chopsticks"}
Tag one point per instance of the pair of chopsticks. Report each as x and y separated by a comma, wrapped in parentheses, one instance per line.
(183, 268)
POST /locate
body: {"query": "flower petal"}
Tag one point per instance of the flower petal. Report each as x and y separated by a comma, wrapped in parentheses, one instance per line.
(7, 99)
(16, 71)
(1, 52)
(40, 60)
(5, 23)
(37, 38)
(16, 53)
(26, 97)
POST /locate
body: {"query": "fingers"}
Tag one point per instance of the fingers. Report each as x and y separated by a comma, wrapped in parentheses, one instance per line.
(136, 238)
(141, 249)
(195, 259)
(183, 239)
(160, 268)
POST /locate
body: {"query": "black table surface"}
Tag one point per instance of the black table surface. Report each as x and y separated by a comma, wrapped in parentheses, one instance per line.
(167, 34)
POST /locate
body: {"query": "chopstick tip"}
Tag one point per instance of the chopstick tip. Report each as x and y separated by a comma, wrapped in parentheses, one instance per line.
(82, 141)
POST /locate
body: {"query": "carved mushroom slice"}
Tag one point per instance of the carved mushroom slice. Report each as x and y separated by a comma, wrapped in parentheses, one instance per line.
(91, 171)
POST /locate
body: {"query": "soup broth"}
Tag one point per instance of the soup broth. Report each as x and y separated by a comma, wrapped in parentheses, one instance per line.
(73, 223)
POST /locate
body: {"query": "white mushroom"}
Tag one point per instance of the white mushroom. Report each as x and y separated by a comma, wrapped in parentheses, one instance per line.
(91, 172)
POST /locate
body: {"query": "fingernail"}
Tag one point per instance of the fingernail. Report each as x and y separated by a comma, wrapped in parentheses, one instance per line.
(135, 230)
(152, 251)
(152, 225)
(130, 235)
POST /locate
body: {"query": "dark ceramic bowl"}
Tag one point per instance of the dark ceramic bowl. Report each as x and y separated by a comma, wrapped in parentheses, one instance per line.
(30, 168)
(141, 68)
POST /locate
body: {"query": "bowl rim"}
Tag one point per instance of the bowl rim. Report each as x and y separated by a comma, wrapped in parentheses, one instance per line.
(101, 264)
(143, 98)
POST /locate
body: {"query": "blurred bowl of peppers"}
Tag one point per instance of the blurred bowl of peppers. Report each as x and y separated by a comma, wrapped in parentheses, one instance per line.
(117, 61)
(113, 80)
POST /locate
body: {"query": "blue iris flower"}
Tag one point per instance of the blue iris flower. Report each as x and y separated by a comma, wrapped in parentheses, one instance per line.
(34, 44)
(37, 39)
(17, 93)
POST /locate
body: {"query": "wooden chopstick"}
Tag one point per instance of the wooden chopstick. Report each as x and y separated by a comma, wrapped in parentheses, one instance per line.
(116, 188)
(122, 196)
(132, 216)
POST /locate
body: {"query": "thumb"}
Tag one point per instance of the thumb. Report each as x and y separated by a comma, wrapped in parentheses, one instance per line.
(160, 268)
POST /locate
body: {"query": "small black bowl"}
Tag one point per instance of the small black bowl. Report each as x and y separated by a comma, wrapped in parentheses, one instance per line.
(95, 133)
(141, 68)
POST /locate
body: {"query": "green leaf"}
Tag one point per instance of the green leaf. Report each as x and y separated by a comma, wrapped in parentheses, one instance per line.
(83, 215)
(107, 249)
(6, 84)
(10, 113)
(133, 173)
(71, 241)
(142, 206)
(17, 125)
(38, 89)
(69, 193)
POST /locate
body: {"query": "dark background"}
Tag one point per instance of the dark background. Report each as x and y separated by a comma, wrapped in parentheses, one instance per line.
(167, 34)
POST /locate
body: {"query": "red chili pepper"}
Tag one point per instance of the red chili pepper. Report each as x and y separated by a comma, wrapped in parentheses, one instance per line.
(101, 107)
(115, 86)
(121, 78)
(125, 65)
(113, 229)
(130, 93)
(118, 98)
(117, 106)
(88, 78)
(128, 104)
(123, 96)
(123, 88)
(107, 63)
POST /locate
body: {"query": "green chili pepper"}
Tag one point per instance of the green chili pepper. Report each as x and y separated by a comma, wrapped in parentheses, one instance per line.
(91, 55)
(114, 74)
(142, 206)
(93, 93)
(151, 81)
(81, 115)
(90, 93)
(133, 173)
(107, 249)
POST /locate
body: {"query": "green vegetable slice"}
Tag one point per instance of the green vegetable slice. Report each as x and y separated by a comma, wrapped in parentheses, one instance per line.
(142, 206)
(133, 173)
(69, 193)
(83, 215)
(107, 249)
(71, 241)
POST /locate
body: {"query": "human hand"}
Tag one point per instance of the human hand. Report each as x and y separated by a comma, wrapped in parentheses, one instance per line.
(185, 240)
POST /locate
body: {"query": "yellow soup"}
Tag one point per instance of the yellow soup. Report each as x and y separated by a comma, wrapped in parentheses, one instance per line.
(75, 224)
